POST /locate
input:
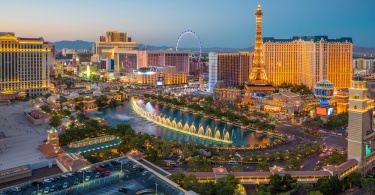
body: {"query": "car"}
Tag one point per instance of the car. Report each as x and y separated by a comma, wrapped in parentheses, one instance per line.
(79, 171)
(97, 175)
(65, 185)
(47, 180)
(58, 186)
(100, 169)
(339, 134)
(87, 178)
(25, 187)
(102, 166)
(53, 179)
(114, 163)
(70, 174)
(35, 183)
(76, 182)
(102, 174)
(107, 173)
(145, 172)
(64, 176)
(34, 193)
(41, 191)
(59, 178)
(88, 170)
(16, 189)
(46, 190)
(141, 169)
(123, 190)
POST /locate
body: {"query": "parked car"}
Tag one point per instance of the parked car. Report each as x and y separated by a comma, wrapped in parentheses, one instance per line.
(76, 181)
(53, 188)
(70, 174)
(16, 189)
(46, 190)
(145, 172)
(97, 175)
(123, 190)
(52, 179)
(87, 178)
(88, 170)
(65, 185)
(47, 180)
(41, 191)
(59, 178)
(35, 183)
(107, 173)
(64, 176)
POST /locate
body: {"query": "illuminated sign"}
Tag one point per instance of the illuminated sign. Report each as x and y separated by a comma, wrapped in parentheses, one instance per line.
(323, 111)
(159, 83)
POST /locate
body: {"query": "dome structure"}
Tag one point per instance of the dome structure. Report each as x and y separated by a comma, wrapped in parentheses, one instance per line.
(324, 91)
(97, 93)
(73, 95)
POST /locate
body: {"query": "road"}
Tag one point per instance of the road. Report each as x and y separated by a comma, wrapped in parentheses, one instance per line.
(330, 141)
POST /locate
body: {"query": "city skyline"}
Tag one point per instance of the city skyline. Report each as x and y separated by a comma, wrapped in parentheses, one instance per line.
(217, 23)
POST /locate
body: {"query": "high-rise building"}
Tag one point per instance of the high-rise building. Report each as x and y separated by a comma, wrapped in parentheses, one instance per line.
(180, 59)
(363, 66)
(114, 39)
(24, 65)
(308, 59)
(232, 68)
(212, 71)
(361, 134)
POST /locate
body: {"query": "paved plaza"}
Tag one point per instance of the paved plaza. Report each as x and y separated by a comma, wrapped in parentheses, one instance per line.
(19, 139)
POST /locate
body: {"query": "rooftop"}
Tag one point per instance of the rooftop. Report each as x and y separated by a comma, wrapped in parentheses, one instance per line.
(309, 38)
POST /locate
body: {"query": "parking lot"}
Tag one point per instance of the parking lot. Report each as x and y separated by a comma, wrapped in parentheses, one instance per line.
(108, 181)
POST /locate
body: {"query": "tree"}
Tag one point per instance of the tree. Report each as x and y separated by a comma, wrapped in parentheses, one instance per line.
(275, 182)
(178, 177)
(102, 101)
(293, 165)
(329, 186)
(228, 181)
(190, 182)
(79, 106)
(354, 178)
(82, 117)
(369, 185)
(288, 181)
(195, 162)
(315, 193)
(55, 121)
(46, 109)
(206, 188)
(263, 166)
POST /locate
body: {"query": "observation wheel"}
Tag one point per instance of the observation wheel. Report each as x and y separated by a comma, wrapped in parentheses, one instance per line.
(196, 37)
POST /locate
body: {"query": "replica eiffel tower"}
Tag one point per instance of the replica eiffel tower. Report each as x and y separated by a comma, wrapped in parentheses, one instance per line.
(258, 85)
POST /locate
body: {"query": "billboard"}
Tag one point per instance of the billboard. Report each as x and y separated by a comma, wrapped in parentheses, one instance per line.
(324, 111)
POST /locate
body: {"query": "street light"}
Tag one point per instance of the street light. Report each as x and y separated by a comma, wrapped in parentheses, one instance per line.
(121, 166)
(156, 188)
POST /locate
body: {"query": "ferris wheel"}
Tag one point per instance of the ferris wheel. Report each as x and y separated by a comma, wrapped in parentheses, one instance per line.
(196, 37)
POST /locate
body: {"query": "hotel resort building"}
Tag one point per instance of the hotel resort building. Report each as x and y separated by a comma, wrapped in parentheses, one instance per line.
(24, 66)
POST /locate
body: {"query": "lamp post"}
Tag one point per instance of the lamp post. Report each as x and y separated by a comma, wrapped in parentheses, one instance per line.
(121, 166)
(156, 188)
(38, 188)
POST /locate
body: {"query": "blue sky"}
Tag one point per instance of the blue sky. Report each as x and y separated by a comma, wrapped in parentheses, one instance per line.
(218, 23)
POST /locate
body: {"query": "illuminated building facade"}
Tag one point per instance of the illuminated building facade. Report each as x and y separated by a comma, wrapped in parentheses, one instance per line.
(160, 76)
(232, 68)
(24, 65)
(361, 138)
(114, 39)
(309, 59)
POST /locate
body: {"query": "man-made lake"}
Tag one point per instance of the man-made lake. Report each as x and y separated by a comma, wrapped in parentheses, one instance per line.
(125, 114)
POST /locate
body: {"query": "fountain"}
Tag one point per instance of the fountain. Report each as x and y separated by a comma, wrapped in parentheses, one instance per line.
(177, 126)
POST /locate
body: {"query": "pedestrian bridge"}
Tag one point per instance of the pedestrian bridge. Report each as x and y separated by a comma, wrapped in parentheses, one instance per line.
(340, 171)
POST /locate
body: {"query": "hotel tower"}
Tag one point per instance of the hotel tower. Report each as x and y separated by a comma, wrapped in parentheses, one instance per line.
(361, 134)
(24, 66)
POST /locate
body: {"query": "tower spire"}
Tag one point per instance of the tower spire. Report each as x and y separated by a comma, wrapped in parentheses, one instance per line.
(258, 74)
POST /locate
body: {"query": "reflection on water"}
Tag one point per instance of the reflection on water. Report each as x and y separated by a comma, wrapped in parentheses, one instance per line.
(125, 114)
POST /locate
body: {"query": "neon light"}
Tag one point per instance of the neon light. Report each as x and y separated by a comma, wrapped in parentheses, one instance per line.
(368, 150)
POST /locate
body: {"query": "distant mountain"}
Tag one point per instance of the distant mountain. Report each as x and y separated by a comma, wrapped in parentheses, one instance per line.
(78, 44)
(363, 50)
